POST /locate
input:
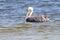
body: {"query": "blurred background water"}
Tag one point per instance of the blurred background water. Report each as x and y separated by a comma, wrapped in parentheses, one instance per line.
(12, 15)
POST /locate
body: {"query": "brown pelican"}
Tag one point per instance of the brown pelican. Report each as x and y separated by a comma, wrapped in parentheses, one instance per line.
(39, 18)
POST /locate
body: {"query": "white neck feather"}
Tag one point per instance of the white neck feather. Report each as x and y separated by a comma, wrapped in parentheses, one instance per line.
(29, 13)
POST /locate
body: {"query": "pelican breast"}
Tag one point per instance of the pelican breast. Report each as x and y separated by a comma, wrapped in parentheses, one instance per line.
(35, 19)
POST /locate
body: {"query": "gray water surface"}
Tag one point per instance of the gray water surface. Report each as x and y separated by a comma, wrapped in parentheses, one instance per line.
(12, 15)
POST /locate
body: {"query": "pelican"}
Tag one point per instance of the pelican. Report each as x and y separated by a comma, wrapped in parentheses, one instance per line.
(39, 18)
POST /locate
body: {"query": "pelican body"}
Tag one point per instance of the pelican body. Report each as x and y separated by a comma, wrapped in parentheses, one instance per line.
(39, 18)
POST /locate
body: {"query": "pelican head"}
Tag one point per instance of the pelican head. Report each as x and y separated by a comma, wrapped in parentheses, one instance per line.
(29, 12)
(30, 9)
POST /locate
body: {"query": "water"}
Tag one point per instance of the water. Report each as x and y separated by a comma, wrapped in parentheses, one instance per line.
(12, 25)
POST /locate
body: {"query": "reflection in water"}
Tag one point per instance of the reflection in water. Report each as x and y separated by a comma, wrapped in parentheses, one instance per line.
(42, 32)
